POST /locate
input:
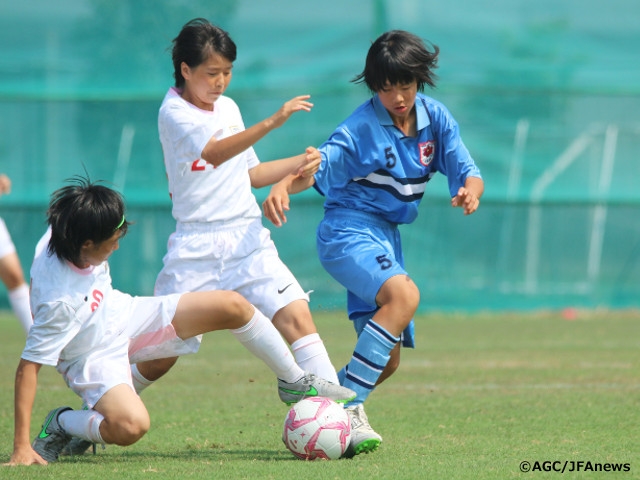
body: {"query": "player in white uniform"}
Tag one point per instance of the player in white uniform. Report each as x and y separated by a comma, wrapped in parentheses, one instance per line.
(11, 272)
(220, 242)
(91, 332)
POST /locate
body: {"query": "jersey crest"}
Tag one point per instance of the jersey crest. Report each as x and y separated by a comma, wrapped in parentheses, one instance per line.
(427, 150)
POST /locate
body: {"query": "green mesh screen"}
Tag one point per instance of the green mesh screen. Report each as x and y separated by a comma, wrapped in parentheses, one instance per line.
(547, 95)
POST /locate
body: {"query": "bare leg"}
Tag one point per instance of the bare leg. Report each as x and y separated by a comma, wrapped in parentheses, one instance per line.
(126, 418)
(152, 370)
(392, 365)
(294, 321)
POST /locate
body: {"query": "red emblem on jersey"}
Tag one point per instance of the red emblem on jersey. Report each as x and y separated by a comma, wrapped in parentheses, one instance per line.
(427, 150)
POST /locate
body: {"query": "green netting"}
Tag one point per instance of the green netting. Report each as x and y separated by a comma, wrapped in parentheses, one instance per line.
(547, 95)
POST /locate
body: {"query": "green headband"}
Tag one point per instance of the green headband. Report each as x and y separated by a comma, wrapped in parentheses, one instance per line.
(120, 224)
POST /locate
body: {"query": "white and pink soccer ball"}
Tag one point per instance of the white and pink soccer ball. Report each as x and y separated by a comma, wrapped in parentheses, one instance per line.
(317, 427)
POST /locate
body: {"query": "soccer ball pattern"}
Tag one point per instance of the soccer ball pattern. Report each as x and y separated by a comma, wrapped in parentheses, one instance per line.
(317, 427)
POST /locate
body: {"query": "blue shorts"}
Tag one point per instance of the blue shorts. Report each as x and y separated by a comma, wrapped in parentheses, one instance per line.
(361, 251)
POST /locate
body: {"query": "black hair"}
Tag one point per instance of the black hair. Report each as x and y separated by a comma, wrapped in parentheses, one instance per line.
(197, 40)
(400, 57)
(83, 211)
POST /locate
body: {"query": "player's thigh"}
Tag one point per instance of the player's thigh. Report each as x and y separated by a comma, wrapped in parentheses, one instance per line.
(202, 312)
(362, 259)
(150, 329)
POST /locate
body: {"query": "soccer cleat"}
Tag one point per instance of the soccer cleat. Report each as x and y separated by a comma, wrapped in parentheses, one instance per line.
(363, 438)
(52, 438)
(78, 446)
(310, 385)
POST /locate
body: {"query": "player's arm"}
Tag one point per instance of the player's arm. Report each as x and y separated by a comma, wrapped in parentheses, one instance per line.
(277, 202)
(468, 197)
(217, 151)
(25, 392)
(268, 173)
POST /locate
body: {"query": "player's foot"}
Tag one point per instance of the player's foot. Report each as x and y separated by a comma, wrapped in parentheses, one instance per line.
(363, 438)
(52, 438)
(78, 446)
(313, 386)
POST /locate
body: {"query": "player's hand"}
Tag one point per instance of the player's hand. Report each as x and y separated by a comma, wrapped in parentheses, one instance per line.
(5, 184)
(276, 204)
(296, 104)
(466, 199)
(25, 456)
(312, 163)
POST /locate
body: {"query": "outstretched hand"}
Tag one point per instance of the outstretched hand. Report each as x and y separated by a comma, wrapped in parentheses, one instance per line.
(276, 204)
(296, 104)
(466, 199)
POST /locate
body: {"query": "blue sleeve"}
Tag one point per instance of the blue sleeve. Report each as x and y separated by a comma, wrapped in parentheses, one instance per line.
(337, 157)
(455, 161)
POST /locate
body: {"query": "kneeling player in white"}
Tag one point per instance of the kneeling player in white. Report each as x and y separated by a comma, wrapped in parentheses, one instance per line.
(91, 332)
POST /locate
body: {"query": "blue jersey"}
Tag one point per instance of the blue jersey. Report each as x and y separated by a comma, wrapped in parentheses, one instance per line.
(368, 164)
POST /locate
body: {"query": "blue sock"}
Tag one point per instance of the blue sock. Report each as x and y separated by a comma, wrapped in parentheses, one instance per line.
(370, 356)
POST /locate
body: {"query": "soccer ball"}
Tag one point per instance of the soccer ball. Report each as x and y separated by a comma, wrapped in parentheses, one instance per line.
(317, 427)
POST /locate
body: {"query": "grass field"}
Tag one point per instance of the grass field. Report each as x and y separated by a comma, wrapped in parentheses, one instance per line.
(478, 396)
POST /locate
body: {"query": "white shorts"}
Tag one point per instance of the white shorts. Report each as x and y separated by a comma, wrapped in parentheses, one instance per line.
(239, 257)
(148, 335)
(6, 244)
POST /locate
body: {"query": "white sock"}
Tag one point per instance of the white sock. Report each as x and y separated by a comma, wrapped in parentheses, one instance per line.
(139, 382)
(19, 300)
(311, 354)
(261, 338)
(82, 423)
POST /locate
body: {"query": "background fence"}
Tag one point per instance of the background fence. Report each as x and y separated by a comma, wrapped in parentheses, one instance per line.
(547, 95)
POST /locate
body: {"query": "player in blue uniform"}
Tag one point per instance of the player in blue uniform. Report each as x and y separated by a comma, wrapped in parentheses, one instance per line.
(375, 167)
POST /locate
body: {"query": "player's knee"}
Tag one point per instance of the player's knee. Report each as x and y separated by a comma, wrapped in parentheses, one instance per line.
(411, 296)
(401, 294)
(129, 430)
(238, 307)
(294, 321)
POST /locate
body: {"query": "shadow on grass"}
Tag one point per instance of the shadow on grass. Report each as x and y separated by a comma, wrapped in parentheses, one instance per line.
(213, 455)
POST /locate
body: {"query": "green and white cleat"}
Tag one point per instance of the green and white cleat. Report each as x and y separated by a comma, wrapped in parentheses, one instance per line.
(364, 439)
(313, 386)
(52, 438)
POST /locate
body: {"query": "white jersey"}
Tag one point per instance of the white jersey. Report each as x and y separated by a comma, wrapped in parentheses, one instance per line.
(200, 192)
(90, 331)
(219, 242)
(74, 311)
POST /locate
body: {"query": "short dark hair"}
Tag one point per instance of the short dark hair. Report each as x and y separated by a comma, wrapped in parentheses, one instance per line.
(197, 40)
(399, 56)
(83, 211)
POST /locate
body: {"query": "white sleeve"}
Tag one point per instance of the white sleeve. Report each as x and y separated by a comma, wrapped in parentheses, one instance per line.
(54, 326)
(182, 131)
